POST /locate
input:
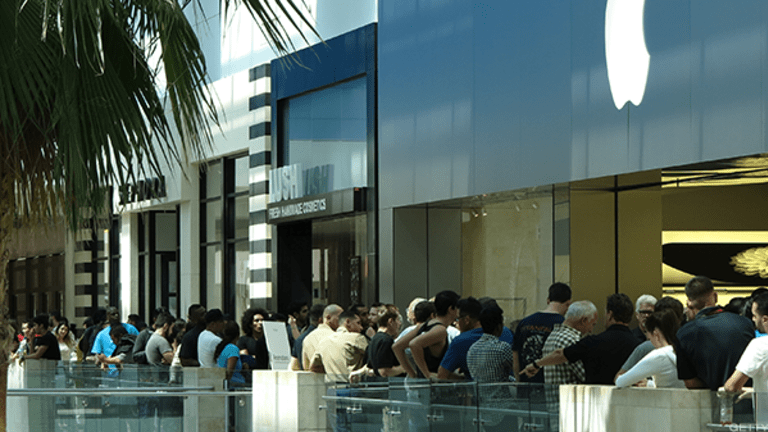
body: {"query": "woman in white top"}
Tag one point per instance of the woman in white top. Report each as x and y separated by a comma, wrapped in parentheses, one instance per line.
(661, 363)
(67, 345)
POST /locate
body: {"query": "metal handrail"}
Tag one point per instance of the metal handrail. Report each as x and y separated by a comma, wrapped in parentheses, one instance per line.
(110, 389)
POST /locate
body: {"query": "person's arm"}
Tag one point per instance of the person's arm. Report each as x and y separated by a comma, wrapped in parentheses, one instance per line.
(294, 364)
(392, 371)
(648, 366)
(736, 382)
(316, 365)
(399, 349)
(294, 328)
(110, 360)
(168, 357)
(39, 351)
(444, 373)
(231, 365)
(188, 362)
(556, 357)
(694, 383)
(426, 340)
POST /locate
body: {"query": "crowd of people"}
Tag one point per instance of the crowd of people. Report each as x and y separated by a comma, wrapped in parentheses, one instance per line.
(699, 345)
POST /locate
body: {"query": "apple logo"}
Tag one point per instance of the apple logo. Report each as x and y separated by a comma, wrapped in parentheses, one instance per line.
(626, 55)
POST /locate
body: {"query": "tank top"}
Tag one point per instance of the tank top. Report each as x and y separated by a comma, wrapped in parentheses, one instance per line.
(433, 361)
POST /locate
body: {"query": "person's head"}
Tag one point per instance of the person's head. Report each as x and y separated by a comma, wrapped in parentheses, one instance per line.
(445, 304)
(748, 305)
(351, 321)
(40, 323)
(99, 316)
(760, 312)
(299, 311)
(30, 331)
(391, 319)
(116, 332)
(163, 323)
(134, 320)
(411, 314)
(701, 293)
(196, 314)
(662, 324)
(424, 312)
(24, 328)
(252, 322)
(230, 331)
(362, 311)
(737, 305)
(214, 320)
(492, 320)
(56, 319)
(113, 315)
(672, 304)
(469, 313)
(559, 297)
(643, 308)
(618, 309)
(373, 313)
(582, 315)
(331, 315)
(176, 331)
(316, 314)
(62, 331)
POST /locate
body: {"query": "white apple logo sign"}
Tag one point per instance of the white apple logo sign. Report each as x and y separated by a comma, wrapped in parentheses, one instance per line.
(626, 55)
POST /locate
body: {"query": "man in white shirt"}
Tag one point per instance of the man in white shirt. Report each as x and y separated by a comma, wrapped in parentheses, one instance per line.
(754, 362)
(208, 339)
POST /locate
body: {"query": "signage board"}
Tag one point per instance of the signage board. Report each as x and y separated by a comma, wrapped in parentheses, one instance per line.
(277, 345)
(315, 206)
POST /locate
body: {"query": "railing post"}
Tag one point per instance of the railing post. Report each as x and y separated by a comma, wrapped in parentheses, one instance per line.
(204, 413)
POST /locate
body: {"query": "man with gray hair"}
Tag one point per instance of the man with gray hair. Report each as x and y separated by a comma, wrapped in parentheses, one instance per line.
(644, 307)
(328, 327)
(580, 319)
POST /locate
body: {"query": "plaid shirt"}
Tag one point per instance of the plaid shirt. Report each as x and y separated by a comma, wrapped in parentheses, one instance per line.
(567, 373)
(489, 359)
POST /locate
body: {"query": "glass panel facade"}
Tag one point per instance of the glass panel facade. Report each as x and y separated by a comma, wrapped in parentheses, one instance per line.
(224, 248)
(328, 128)
(509, 249)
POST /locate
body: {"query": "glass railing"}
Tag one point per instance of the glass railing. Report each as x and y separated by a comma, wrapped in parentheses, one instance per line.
(424, 405)
(743, 411)
(52, 396)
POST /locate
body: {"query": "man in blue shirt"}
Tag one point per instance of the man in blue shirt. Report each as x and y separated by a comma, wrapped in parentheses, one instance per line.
(103, 343)
(471, 331)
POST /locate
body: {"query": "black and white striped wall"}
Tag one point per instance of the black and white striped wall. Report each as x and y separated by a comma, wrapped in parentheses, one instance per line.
(260, 153)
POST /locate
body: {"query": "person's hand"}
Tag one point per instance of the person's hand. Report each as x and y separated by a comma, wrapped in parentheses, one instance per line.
(529, 370)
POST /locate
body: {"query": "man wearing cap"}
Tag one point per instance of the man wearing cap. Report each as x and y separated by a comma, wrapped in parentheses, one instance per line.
(208, 339)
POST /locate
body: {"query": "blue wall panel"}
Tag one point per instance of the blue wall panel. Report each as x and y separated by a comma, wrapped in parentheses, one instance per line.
(477, 98)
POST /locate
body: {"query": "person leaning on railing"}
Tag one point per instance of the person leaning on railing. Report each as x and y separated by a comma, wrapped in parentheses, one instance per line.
(661, 363)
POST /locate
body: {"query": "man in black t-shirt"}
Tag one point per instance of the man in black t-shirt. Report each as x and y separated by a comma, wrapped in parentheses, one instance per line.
(45, 345)
(381, 358)
(188, 351)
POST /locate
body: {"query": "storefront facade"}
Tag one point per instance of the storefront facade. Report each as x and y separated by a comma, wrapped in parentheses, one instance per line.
(509, 160)
(322, 188)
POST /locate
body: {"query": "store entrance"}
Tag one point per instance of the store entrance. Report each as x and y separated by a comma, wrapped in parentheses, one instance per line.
(323, 261)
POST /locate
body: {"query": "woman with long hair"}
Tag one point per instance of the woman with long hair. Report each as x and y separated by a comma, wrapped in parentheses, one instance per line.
(661, 363)
(227, 354)
(67, 344)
